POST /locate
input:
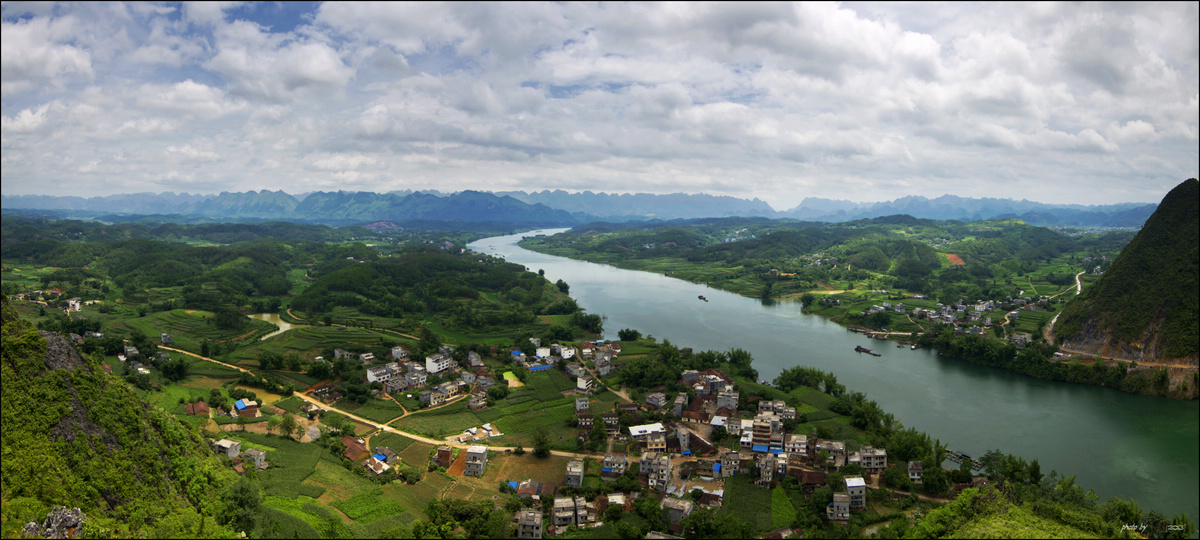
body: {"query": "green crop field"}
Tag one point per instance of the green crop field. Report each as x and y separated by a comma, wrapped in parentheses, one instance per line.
(377, 410)
(748, 502)
(439, 425)
(782, 511)
(398, 443)
(414, 498)
(315, 520)
(368, 506)
(290, 463)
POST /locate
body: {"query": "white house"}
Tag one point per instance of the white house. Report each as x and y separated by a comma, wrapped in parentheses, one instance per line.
(438, 363)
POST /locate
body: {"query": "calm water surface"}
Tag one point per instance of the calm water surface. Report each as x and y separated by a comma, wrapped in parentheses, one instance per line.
(274, 319)
(1118, 444)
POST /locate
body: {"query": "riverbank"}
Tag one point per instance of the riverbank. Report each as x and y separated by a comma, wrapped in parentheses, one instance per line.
(1151, 443)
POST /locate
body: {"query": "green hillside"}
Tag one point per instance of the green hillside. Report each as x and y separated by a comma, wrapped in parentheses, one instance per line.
(1149, 299)
(76, 436)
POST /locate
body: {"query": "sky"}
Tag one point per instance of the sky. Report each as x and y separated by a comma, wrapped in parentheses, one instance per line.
(1060, 103)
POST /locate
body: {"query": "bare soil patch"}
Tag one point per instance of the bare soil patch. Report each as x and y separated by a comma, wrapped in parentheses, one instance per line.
(459, 466)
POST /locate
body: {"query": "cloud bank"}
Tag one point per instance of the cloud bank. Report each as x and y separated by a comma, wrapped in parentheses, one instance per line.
(1090, 104)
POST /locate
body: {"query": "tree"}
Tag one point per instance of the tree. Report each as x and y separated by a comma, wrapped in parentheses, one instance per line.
(598, 434)
(562, 286)
(241, 506)
(175, 369)
(272, 423)
(541, 443)
(289, 425)
(934, 478)
(628, 334)
(807, 299)
(229, 318)
(497, 393)
(613, 512)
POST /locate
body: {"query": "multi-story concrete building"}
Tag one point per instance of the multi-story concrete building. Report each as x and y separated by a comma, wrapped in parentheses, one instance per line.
(657, 468)
(728, 399)
(730, 463)
(613, 466)
(681, 403)
(529, 524)
(476, 460)
(575, 473)
(796, 443)
(839, 509)
(563, 512)
(384, 373)
(856, 488)
(677, 509)
(438, 363)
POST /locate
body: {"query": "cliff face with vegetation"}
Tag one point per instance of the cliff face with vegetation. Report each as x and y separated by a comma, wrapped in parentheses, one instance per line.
(1145, 308)
(76, 436)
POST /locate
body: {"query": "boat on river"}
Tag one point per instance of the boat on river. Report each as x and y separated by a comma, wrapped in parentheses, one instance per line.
(702, 298)
(862, 349)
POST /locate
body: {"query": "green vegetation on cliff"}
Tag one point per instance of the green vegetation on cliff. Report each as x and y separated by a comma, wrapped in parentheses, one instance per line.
(1151, 293)
(76, 436)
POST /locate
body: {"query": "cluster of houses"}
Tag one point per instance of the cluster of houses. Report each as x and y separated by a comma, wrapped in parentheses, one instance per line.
(404, 374)
(960, 313)
(253, 457)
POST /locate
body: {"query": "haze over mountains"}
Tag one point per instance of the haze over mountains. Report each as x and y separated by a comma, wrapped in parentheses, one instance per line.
(560, 208)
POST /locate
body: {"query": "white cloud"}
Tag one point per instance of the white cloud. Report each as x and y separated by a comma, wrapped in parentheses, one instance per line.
(773, 100)
(35, 52)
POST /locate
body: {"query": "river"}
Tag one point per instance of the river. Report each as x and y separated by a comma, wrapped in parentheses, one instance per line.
(1119, 444)
(274, 319)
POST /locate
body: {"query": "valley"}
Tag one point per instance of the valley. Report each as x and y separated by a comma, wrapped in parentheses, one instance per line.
(350, 313)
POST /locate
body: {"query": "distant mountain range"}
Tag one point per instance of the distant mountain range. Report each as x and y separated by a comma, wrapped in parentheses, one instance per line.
(560, 208)
(423, 210)
(968, 209)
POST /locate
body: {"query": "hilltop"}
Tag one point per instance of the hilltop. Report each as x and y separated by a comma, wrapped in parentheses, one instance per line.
(1145, 307)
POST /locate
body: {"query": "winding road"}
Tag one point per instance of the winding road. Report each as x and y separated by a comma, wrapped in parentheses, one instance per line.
(383, 427)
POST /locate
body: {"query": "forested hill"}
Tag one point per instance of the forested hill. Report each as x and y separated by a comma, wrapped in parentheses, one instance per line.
(470, 292)
(1147, 304)
(76, 436)
(744, 254)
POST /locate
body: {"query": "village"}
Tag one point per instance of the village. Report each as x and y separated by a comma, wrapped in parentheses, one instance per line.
(674, 459)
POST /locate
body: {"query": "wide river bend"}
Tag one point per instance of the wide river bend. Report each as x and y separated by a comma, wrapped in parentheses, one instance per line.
(1116, 443)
